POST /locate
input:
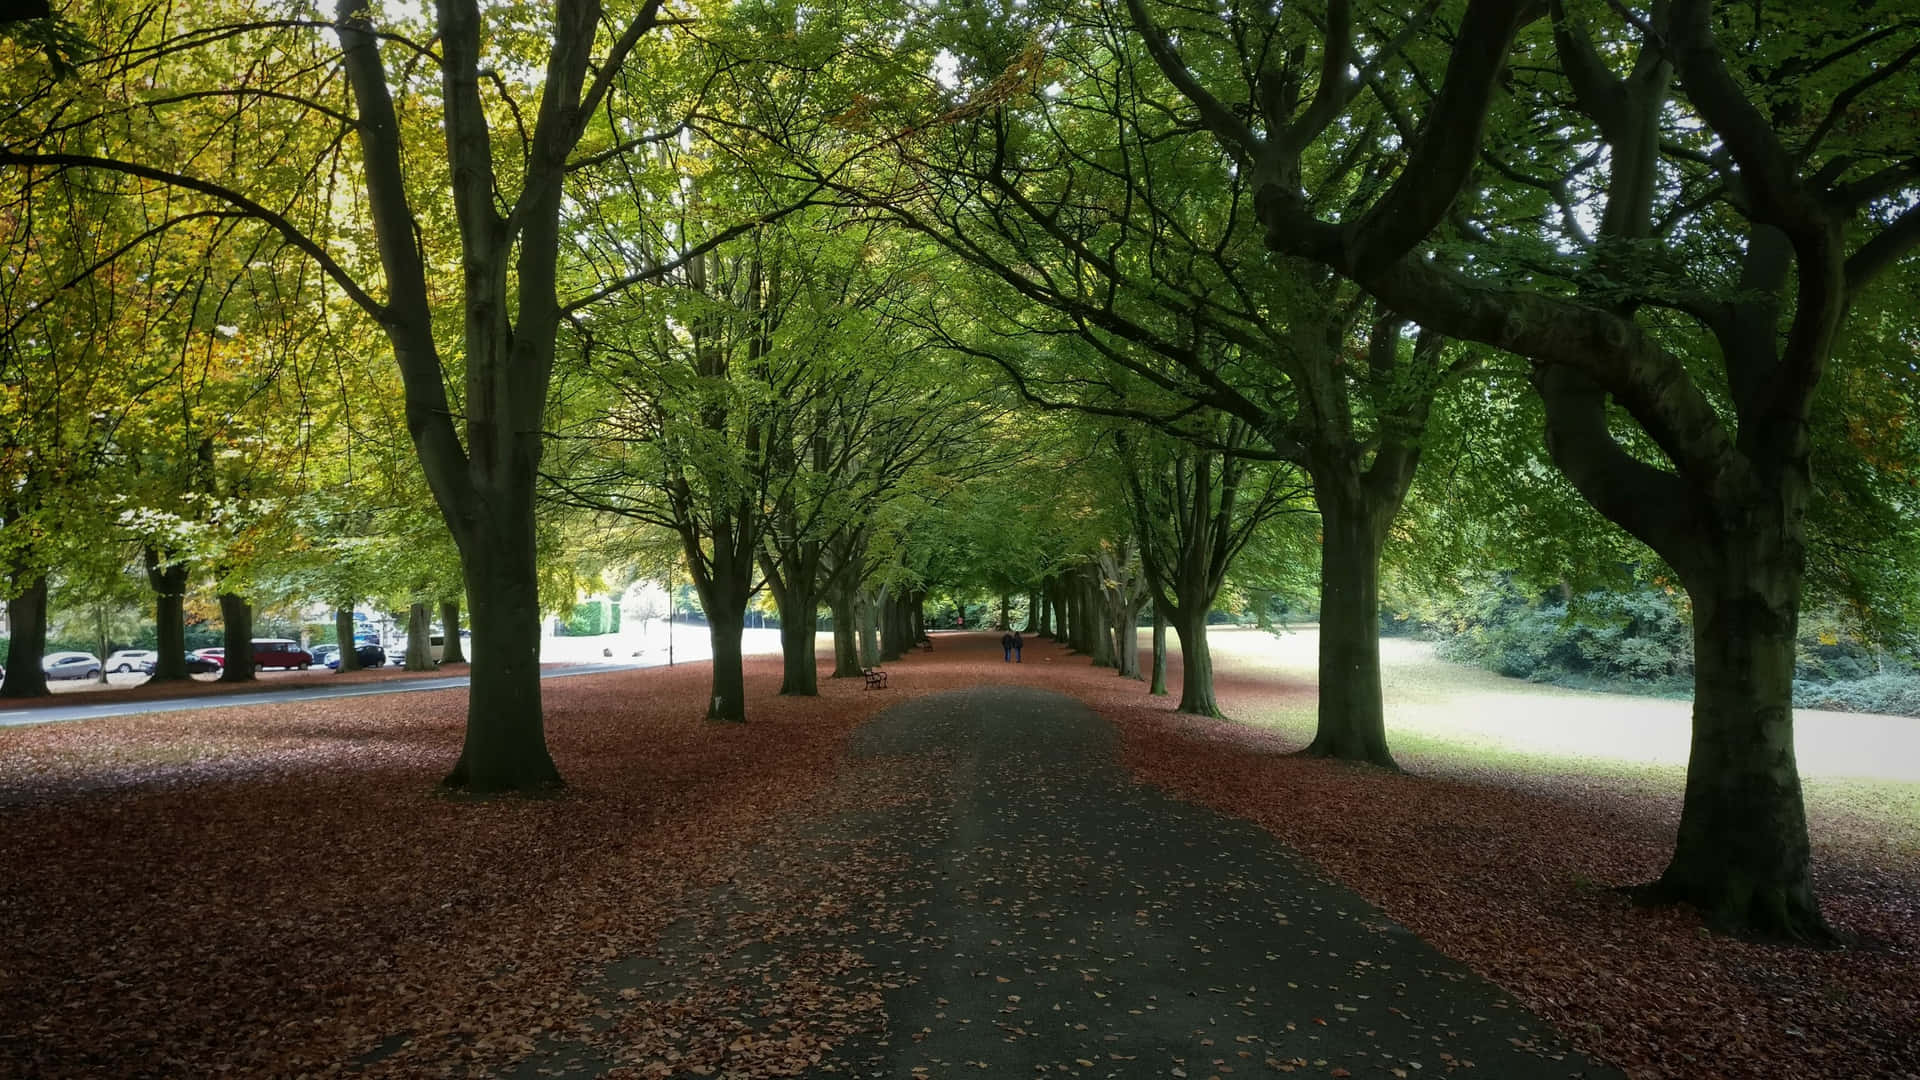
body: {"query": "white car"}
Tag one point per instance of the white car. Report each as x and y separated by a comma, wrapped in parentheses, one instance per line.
(131, 660)
(71, 665)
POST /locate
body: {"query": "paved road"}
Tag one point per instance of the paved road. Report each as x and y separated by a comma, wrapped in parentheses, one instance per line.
(1045, 915)
(49, 714)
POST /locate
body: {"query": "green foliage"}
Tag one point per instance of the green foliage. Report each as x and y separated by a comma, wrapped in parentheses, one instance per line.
(589, 620)
(1640, 640)
(1643, 636)
(1894, 693)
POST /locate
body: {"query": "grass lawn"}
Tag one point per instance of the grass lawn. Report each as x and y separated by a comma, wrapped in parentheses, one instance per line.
(1861, 771)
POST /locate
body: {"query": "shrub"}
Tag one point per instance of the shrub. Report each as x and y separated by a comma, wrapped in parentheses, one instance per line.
(587, 620)
(1897, 694)
(1641, 642)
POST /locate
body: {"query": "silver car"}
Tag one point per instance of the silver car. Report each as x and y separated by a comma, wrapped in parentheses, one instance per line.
(71, 665)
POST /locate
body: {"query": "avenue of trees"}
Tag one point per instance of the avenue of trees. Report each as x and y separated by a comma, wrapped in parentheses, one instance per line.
(1106, 305)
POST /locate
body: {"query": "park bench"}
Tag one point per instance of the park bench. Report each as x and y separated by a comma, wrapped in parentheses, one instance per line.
(876, 679)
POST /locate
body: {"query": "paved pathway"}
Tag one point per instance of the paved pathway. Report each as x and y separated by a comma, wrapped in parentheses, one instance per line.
(1046, 916)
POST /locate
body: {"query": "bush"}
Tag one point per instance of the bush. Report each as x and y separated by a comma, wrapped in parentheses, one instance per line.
(1896, 694)
(1642, 642)
(1641, 636)
(587, 619)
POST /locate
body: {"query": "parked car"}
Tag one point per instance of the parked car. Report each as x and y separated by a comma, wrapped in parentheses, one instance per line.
(326, 655)
(132, 660)
(436, 645)
(71, 665)
(279, 653)
(217, 655)
(201, 665)
(439, 645)
(371, 655)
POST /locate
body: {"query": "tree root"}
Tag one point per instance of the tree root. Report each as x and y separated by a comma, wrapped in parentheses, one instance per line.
(1329, 749)
(1741, 909)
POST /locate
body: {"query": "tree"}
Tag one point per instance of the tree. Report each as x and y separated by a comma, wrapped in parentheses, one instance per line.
(507, 189)
(1077, 180)
(1788, 206)
(1194, 510)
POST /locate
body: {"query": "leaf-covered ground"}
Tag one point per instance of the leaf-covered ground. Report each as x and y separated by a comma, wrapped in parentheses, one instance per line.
(278, 890)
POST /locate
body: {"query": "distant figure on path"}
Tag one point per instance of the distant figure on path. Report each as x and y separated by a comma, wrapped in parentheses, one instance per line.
(1007, 644)
(1017, 642)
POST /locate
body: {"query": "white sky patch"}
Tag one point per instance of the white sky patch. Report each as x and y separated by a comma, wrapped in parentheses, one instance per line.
(946, 70)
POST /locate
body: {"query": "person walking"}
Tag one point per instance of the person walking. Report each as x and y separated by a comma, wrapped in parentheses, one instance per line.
(1016, 646)
(1007, 642)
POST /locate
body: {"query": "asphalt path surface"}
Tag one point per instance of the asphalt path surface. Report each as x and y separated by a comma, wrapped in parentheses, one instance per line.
(49, 714)
(1045, 915)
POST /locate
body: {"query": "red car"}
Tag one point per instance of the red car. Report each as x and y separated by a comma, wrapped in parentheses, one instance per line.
(280, 653)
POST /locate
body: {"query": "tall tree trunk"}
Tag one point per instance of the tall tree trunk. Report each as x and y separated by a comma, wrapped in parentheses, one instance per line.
(451, 652)
(1099, 623)
(343, 633)
(1262, 601)
(27, 617)
(919, 616)
(728, 702)
(236, 632)
(1077, 637)
(846, 634)
(1196, 663)
(1042, 619)
(1126, 637)
(1006, 613)
(169, 582)
(419, 639)
(102, 647)
(1159, 685)
(1742, 857)
(869, 630)
(800, 670)
(506, 746)
(888, 611)
(799, 611)
(1102, 622)
(1352, 722)
(724, 591)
